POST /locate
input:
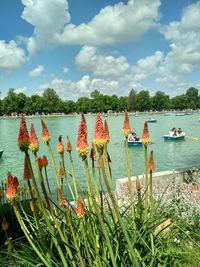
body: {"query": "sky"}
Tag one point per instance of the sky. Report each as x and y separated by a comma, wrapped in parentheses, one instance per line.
(78, 46)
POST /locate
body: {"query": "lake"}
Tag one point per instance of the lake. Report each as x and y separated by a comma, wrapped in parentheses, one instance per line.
(167, 155)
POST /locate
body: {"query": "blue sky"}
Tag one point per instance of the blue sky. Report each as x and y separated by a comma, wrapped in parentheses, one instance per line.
(78, 46)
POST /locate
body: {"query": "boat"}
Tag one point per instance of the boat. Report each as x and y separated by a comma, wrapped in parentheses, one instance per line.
(168, 114)
(134, 143)
(180, 114)
(151, 120)
(178, 137)
(1, 153)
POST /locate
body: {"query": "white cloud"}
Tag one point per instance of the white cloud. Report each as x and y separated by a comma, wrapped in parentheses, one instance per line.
(20, 90)
(11, 56)
(89, 58)
(145, 67)
(113, 24)
(48, 18)
(37, 71)
(184, 40)
(65, 70)
(68, 89)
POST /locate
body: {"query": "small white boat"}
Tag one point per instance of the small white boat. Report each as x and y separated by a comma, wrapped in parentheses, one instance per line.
(1, 153)
(151, 120)
(180, 114)
(177, 137)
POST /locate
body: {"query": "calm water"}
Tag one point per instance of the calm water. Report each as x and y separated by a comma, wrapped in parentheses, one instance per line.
(168, 155)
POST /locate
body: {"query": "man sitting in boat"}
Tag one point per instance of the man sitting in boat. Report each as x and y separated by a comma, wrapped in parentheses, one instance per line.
(173, 132)
(179, 131)
(133, 137)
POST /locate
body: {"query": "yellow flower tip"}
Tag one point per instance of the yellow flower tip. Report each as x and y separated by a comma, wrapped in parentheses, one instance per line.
(100, 136)
(126, 127)
(34, 144)
(46, 137)
(80, 209)
(5, 224)
(145, 135)
(12, 187)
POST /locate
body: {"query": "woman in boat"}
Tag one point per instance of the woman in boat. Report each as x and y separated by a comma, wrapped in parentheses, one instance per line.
(179, 131)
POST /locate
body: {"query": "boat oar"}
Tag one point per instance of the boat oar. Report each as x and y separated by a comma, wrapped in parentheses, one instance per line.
(192, 137)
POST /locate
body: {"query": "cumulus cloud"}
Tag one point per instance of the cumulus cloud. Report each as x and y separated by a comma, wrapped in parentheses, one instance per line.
(184, 40)
(37, 71)
(11, 56)
(89, 58)
(48, 18)
(113, 24)
(68, 89)
(20, 90)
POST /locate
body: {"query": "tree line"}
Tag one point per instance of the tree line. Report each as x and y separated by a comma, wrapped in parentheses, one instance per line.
(50, 102)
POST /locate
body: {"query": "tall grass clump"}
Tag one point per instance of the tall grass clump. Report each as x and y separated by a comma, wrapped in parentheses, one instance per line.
(97, 228)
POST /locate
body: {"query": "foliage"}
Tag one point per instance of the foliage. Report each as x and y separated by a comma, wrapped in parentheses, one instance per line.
(50, 102)
(144, 229)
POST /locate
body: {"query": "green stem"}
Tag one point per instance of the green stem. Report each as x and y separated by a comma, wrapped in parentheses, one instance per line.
(73, 174)
(47, 180)
(146, 182)
(130, 185)
(107, 165)
(64, 169)
(95, 180)
(28, 236)
(151, 191)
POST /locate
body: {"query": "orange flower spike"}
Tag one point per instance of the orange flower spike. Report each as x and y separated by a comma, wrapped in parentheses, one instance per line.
(46, 137)
(151, 166)
(80, 210)
(27, 173)
(34, 144)
(60, 146)
(145, 136)
(92, 153)
(106, 130)
(82, 144)
(45, 161)
(61, 198)
(61, 171)
(12, 187)
(69, 146)
(126, 128)
(4, 224)
(100, 138)
(40, 163)
(23, 137)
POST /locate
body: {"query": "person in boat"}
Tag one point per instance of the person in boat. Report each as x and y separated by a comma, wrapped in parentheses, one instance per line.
(133, 137)
(172, 131)
(179, 131)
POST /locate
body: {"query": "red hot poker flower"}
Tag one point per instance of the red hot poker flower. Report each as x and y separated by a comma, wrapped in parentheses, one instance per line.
(34, 144)
(46, 137)
(126, 128)
(80, 210)
(40, 163)
(151, 166)
(145, 136)
(82, 144)
(69, 146)
(23, 137)
(106, 130)
(44, 161)
(60, 146)
(27, 173)
(100, 137)
(12, 187)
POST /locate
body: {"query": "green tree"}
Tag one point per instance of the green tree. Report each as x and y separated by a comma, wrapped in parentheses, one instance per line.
(143, 101)
(51, 100)
(10, 103)
(192, 97)
(179, 102)
(132, 99)
(83, 105)
(160, 101)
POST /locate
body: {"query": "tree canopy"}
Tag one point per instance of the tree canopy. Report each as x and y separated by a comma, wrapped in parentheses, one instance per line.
(50, 102)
